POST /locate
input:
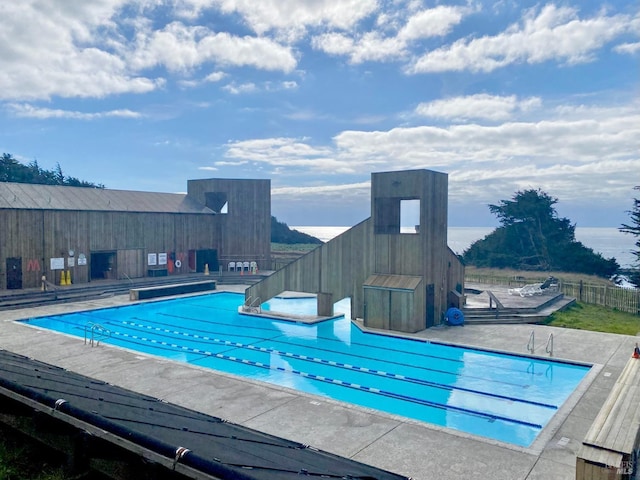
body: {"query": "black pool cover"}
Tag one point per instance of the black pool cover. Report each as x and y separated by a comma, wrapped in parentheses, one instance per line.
(205, 443)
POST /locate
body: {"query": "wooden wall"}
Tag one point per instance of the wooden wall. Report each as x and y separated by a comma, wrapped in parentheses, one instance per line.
(36, 236)
(341, 266)
(338, 267)
(245, 231)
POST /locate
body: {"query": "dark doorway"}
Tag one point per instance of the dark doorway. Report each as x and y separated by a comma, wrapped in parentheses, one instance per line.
(206, 257)
(14, 273)
(192, 260)
(431, 305)
(103, 265)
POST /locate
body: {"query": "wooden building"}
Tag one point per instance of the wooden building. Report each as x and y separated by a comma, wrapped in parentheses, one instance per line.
(397, 279)
(91, 234)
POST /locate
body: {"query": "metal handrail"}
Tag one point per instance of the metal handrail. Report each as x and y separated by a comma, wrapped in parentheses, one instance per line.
(549, 347)
(94, 338)
(531, 345)
(252, 305)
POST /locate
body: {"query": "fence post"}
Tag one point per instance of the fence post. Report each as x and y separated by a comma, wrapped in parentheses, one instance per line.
(580, 291)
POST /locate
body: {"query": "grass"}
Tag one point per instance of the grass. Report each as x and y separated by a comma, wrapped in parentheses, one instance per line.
(538, 276)
(22, 459)
(293, 247)
(597, 319)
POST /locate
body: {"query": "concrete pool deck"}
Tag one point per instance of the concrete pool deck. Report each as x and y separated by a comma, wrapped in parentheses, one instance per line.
(397, 444)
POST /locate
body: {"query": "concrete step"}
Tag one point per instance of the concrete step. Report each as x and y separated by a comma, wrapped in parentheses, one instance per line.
(104, 288)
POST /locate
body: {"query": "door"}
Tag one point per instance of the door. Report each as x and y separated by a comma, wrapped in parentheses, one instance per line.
(431, 305)
(14, 273)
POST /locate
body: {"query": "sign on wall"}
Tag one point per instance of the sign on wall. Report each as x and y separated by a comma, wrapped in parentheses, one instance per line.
(57, 263)
(152, 259)
(162, 259)
(82, 259)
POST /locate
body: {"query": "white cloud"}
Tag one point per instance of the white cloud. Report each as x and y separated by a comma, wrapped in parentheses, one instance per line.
(479, 106)
(294, 16)
(86, 49)
(29, 111)
(378, 46)
(582, 149)
(241, 88)
(215, 76)
(329, 190)
(435, 22)
(629, 48)
(52, 48)
(181, 47)
(555, 33)
(288, 152)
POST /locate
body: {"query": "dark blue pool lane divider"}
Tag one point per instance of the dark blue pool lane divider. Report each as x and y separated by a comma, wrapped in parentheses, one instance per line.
(377, 391)
(373, 390)
(332, 363)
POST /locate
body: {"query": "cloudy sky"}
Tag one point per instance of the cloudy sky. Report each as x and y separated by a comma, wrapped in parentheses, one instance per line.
(317, 94)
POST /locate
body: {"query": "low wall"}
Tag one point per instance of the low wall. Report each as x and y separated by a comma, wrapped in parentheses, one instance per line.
(166, 290)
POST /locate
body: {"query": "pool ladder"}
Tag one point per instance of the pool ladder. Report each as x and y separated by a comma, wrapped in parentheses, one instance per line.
(94, 332)
(531, 345)
(252, 305)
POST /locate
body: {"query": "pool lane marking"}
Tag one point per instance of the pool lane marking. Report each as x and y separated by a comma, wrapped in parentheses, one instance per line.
(378, 391)
(377, 347)
(347, 366)
(275, 339)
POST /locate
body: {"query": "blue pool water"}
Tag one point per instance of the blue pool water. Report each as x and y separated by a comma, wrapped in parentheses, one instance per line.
(504, 397)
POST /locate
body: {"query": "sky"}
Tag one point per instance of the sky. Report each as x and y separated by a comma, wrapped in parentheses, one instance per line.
(502, 96)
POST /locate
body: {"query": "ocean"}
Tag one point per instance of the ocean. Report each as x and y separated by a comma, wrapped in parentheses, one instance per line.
(608, 241)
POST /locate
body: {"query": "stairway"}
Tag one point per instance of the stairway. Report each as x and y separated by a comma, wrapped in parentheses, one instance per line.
(514, 309)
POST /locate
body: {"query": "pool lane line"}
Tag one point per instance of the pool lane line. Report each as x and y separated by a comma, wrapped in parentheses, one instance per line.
(378, 391)
(275, 339)
(376, 347)
(347, 366)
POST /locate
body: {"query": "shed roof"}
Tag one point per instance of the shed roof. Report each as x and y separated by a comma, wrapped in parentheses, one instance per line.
(392, 282)
(26, 196)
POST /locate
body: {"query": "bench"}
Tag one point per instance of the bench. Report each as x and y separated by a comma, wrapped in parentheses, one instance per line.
(607, 452)
(174, 289)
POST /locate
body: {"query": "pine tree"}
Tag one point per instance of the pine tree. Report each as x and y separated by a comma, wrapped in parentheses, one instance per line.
(533, 237)
(633, 228)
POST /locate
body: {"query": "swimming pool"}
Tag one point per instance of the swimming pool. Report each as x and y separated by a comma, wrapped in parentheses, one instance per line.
(508, 398)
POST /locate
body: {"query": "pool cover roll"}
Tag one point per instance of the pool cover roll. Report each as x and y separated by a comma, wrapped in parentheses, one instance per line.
(454, 316)
(213, 446)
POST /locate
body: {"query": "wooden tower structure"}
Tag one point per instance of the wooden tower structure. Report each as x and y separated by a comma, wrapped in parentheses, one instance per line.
(398, 279)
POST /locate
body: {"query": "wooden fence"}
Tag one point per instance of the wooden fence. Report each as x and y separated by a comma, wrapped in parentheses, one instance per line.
(618, 298)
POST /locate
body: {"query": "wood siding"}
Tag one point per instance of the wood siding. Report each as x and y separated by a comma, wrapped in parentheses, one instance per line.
(37, 235)
(243, 229)
(341, 266)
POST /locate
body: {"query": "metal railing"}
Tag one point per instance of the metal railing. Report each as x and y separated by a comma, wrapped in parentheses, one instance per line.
(252, 305)
(94, 332)
(531, 345)
(549, 347)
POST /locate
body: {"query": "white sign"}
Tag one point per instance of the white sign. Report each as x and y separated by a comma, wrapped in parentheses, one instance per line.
(162, 259)
(82, 259)
(152, 259)
(57, 263)
(71, 262)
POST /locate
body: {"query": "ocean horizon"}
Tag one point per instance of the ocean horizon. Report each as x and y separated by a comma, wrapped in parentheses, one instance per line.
(607, 241)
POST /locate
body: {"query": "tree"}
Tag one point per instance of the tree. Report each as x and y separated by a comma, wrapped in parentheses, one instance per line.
(634, 229)
(532, 237)
(13, 171)
(281, 233)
